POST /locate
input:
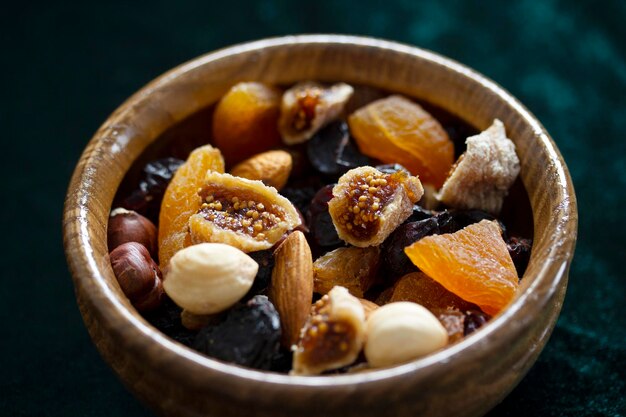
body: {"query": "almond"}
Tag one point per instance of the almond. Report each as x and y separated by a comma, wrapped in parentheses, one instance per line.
(272, 167)
(291, 289)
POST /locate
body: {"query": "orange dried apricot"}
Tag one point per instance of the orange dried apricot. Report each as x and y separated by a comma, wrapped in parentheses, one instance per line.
(418, 288)
(181, 200)
(350, 267)
(245, 121)
(473, 263)
(397, 130)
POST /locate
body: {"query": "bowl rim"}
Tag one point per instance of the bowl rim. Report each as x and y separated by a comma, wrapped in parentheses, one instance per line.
(84, 266)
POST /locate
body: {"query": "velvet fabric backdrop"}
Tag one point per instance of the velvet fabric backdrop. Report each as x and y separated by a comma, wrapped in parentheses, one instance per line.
(67, 66)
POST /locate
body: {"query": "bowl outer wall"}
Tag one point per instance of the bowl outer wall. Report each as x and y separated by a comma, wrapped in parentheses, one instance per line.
(466, 379)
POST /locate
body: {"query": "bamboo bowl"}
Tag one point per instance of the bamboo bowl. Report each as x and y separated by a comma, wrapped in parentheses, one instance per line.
(467, 379)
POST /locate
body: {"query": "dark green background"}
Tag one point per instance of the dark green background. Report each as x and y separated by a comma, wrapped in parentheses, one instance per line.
(65, 67)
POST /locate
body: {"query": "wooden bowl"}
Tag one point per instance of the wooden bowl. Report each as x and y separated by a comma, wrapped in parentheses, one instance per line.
(467, 378)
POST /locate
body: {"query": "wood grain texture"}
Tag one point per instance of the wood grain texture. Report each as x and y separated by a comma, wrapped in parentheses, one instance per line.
(466, 379)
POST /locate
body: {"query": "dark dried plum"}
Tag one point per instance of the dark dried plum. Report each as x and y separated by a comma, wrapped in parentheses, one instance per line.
(419, 213)
(167, 319)
(265, 259)
(323, 232)
(451, 221)
(281, 362)
(458, 132)
(301, 192)
(394, 260)
(390, 168)
(519, 249)
(323, 148)
(474, 319)
(146, 200)
(350, 157)
(248, 336)
(158, 174)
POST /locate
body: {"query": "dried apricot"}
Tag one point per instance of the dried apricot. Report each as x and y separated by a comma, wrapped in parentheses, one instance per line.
(245, 121)
(242, 213)
(417, 287)
(397, 130)
(473, 263)
(181, 200)
(352, 268)
(368, 205)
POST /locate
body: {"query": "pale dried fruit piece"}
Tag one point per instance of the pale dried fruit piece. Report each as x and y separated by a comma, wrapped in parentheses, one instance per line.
(307, 107)
(397, 130)
(453, 321)
(400, 332)
(333, 334)
(482, 176)
(271, 167)
(245, 121)
(349, 267)
(209, 277)
(243, 213)
(181, 200)
(367, 205)
(291, 289)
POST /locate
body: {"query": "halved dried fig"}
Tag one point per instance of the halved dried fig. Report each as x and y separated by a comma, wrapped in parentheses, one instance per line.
(367, 205)
(352, 268)
(333, 334)
(242, 213)
(307, 107)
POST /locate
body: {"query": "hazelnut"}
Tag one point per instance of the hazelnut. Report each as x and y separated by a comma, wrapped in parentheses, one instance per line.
(400, 332)
(129, 226)
(209, 277)
(138, 275)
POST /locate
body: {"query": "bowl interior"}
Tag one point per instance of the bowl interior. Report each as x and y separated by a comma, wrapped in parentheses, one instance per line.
(183, 94)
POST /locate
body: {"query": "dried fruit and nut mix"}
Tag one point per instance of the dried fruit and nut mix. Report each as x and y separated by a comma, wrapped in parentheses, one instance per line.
(322, 229)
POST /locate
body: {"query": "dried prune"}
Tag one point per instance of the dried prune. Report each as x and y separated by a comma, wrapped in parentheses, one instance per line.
(248, 336)
(419, 213)
(156, 176)
(265, 259)
(281, 362)
(474, 319)
(519, 249)
(394, 260)
(323, 232)
(451, 221)
(301, 192)
(167, 319)
(349, 156)
(323, 148)
(390, 168)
